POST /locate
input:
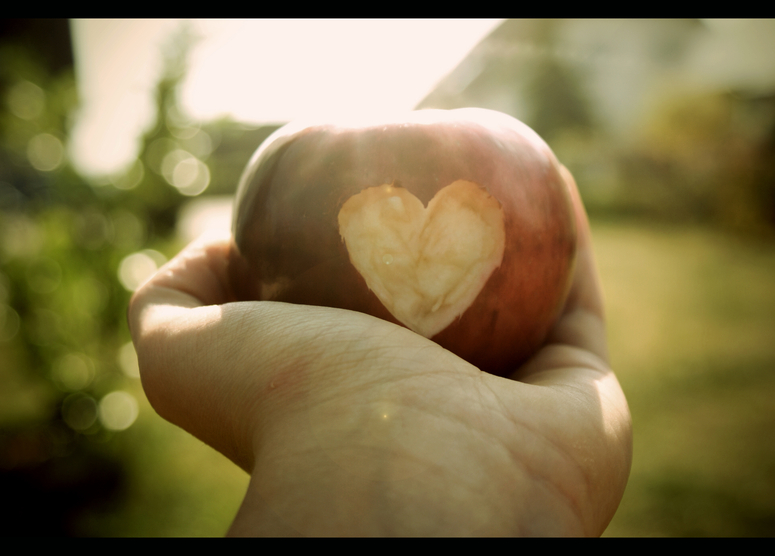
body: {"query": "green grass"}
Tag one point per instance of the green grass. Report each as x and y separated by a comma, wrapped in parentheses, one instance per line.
(691, 316)
(176, 485)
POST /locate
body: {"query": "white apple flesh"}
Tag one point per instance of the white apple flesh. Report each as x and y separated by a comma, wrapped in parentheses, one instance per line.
(426, 265)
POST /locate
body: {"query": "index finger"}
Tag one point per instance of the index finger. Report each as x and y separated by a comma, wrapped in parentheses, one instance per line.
(197, 276)
(582, 322)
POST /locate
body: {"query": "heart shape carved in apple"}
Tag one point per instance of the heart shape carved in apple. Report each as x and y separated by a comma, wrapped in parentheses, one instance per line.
(426, 265)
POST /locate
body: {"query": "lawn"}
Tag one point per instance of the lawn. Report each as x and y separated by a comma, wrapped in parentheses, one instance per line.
(692, 338)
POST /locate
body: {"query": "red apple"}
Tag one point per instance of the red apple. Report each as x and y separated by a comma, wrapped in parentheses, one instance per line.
(455, 224)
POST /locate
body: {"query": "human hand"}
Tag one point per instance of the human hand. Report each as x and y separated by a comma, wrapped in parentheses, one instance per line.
(350, 425)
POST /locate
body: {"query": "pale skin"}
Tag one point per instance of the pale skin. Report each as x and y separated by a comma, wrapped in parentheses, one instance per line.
(350, 425)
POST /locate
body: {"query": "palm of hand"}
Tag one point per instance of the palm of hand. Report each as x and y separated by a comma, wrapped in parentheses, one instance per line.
(352, 425)
(448, 450)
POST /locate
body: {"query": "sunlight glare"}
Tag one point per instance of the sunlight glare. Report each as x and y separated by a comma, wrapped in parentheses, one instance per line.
(256, 71)
(281, 70)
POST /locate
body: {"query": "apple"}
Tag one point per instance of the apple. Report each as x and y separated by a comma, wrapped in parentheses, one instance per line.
(455, 224)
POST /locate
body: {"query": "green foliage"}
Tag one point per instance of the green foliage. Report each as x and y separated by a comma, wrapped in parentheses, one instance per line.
(705, 158)
(63, 334)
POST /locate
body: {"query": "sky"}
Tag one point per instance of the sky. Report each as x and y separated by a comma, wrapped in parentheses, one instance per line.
(257, 71)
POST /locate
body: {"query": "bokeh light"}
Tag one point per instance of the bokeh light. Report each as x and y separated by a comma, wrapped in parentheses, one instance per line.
(131, 178)
(26, 100)
(118, 410)
(45, 152)
(185, 172)
(79, 411)
(138, 267)
(73, 372)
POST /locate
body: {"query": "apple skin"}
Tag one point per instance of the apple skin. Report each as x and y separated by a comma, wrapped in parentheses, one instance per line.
(287, 244)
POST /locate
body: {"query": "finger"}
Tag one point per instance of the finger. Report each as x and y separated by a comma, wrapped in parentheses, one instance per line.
(576, 350)
(184, 347)
(586, 291)
(581, 400)
(196, 276)
(582, 323)
(221, 370)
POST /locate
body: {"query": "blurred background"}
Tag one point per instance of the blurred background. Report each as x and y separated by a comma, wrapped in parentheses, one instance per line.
(120, 141)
